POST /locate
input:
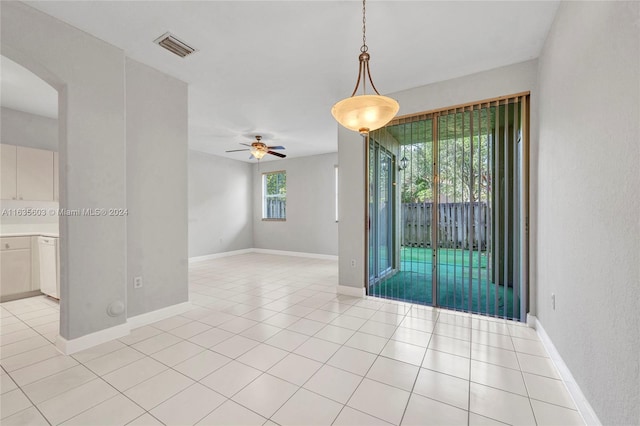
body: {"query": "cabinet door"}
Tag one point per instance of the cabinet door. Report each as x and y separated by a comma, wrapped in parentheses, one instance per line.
(8, 172)
(56, 178)
(35, 174)
(15, 271)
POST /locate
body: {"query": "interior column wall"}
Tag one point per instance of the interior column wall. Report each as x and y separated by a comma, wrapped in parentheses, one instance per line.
(156, 113)
(90, 81)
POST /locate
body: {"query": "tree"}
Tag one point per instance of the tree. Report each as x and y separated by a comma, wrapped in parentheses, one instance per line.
(464, 165)
(276, 183)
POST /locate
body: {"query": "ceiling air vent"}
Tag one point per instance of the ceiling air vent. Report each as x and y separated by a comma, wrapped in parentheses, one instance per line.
(173, 45)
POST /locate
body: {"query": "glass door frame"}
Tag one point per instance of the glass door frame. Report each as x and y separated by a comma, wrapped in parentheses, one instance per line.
(373, 218)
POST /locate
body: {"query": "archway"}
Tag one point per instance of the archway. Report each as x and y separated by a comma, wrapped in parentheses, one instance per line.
(34, 131)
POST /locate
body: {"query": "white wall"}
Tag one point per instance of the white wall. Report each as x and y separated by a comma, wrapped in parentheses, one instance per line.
(156, 113)
(351, 203)
(484, 85)
(220, 204)
(310, 226)
(24, 129)
(588, 207)
(89, 76)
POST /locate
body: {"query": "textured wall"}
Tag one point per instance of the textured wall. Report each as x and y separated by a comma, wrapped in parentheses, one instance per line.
(156, 188)
(588, 208)
(220, 204)
(24, 129)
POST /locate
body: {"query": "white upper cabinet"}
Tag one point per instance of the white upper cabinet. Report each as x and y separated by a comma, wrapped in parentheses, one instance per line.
(8, 173)
(27, 174)
(35, 174)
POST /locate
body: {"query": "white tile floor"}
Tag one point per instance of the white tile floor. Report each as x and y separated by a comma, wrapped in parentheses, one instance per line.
(269, 342)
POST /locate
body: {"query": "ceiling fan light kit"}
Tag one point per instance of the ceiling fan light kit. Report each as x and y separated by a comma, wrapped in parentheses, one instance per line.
(364, 113)
(257, 152)
(259, 149)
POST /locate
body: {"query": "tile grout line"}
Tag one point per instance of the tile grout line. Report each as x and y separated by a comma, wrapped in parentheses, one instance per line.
(404, 412)
(533, 413)
(302, 386)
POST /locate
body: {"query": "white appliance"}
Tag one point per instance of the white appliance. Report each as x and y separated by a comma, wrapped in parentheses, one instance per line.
(49, 266)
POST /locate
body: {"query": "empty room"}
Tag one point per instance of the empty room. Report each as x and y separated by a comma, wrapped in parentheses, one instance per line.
(320, 212)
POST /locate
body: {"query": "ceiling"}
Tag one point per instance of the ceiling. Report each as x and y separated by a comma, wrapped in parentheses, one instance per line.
(275, 68)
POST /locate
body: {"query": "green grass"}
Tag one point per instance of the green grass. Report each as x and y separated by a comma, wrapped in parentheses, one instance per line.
(453, 257)
(413, 282)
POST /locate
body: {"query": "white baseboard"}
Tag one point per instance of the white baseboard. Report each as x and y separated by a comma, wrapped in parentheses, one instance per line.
(583, 406)
(532, 320)
(219, 255)
(158, 314)
(90, 340)
(296, 254)
(262, 251)
(351, 291)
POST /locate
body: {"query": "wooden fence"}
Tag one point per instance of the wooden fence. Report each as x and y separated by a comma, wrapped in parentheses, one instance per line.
(454, 228)
(275, 208)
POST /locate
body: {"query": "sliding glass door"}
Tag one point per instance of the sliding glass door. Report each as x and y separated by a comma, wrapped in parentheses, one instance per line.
(462, 202)
(411, 277)
(381, 211)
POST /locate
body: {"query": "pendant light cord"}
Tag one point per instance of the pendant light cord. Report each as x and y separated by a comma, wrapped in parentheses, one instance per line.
(364, 72)
(364, 47)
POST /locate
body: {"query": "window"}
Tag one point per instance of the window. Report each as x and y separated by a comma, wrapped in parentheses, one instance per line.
(274, 196)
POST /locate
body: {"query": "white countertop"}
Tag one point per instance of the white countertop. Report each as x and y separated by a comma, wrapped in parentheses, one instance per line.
(26, 230)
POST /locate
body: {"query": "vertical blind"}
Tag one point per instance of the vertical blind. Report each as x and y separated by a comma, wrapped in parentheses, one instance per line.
(461, 205)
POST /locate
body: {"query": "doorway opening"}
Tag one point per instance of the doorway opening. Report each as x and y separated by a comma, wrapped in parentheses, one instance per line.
(30, 196)
(448, 208)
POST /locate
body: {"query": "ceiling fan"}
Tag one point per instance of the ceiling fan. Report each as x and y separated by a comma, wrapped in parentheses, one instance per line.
(259, 149)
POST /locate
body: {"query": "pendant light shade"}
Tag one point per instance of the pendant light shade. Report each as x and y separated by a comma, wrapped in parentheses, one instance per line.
(364, 113)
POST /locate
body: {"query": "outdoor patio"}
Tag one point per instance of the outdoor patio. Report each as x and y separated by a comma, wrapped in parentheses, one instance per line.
(413, 282)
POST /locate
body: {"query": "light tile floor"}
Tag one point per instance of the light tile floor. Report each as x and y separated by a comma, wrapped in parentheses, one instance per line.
(269, 342)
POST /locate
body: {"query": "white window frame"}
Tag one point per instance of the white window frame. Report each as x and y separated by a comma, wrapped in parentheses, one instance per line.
(266, 196)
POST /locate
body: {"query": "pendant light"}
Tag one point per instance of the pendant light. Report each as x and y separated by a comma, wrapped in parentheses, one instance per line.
(364, 113)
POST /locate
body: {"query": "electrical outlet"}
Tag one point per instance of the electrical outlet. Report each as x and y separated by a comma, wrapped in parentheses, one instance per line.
(553, 301)
(137, 282)
(353, 263)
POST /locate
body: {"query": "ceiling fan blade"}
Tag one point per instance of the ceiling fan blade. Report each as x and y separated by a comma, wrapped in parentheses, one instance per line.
(276, 147)
(245, 144)
(277, 154)
(236, 150)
